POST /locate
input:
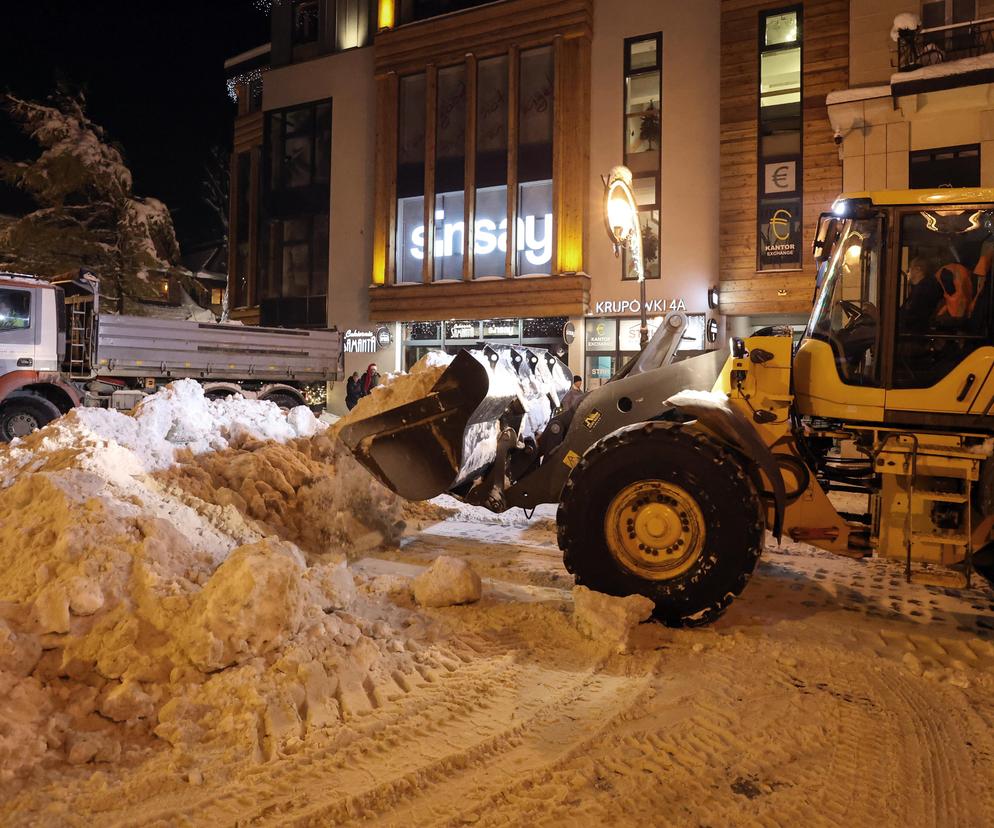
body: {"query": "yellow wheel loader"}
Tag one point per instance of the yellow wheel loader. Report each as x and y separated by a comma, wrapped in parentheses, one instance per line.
(668, 476)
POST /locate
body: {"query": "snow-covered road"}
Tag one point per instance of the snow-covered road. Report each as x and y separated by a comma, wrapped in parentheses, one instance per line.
(832, 693)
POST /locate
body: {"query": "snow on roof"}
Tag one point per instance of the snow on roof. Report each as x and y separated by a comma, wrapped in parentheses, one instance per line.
(941, 70)
(950, 68)
(859, 93)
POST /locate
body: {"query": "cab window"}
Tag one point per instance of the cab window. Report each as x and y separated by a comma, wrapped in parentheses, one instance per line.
(944, 292)
(846, 314)
(15, 310)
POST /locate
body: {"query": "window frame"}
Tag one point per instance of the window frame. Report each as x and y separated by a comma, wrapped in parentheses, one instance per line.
(895, 281)
(6, 332)
(627, 73)
(913, 155)
(763, 200)
(295, 8)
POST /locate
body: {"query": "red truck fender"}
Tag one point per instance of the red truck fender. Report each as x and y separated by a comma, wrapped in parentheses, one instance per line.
(51, 386)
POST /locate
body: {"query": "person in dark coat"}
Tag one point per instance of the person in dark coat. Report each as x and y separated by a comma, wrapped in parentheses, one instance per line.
(369, 380)
(352, 391)
(572, 398)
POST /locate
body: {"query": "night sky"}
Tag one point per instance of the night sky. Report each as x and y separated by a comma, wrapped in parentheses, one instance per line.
(153, 73)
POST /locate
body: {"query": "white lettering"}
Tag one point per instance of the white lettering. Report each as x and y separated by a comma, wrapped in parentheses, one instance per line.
(537, 249)
(533, 243)
(620, 306)
(485, 241)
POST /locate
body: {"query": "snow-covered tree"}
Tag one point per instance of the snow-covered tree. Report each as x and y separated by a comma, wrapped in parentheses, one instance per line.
(87, 213)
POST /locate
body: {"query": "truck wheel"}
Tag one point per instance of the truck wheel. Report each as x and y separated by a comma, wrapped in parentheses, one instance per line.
(23, 412)
(284, 399)
(666, 513)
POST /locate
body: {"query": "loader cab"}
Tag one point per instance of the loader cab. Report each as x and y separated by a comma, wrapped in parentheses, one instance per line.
(901, 328)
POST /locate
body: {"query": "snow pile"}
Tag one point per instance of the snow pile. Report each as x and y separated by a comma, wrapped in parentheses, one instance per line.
(398, 389)
(447, 582)
(180, 574)
(608, 619)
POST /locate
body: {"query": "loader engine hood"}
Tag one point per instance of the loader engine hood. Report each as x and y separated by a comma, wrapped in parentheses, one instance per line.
(434, 444)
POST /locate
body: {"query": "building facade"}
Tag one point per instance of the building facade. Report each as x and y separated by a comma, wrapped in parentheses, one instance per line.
(919, 108)
(429, 174)
(780, 166)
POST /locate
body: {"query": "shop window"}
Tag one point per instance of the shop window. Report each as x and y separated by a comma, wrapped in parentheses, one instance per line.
(411, 179)
(643, 141)
(450, 166)
(531, 234)
(491, 167)
(944, 292)
(304, 21)
(535, 127)
(945, 167)
(780, 125)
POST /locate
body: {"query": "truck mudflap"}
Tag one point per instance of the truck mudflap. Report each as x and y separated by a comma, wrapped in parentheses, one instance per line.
(730, 425)
(441, 441)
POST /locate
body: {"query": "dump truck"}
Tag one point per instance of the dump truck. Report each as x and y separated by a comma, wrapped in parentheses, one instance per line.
(668, 477)
(57, 351)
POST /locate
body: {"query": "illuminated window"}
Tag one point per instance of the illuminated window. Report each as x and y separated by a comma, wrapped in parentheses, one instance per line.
(780, 127)
(411, 179)
(643, 142)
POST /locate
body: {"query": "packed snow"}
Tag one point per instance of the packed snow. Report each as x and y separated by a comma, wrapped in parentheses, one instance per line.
(209, 614)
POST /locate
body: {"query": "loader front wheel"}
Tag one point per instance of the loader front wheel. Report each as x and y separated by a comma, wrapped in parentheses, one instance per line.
(663, 512)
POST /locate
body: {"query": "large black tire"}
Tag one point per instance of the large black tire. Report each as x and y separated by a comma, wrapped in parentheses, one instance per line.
(699, 491)
(284, 399)
(23, 412)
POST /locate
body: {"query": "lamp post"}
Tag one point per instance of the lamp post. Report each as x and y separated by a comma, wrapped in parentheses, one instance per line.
(622, 219)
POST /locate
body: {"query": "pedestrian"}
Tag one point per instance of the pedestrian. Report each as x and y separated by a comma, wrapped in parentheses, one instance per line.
(352, 391)
(369, 380)
(574, 395)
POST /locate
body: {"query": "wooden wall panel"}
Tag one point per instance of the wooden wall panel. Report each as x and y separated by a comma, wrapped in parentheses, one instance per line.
(486, 30)
(548, 296)
(744, 290)
(571, 160)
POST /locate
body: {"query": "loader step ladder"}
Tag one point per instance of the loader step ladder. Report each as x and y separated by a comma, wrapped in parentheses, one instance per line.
(927, 574)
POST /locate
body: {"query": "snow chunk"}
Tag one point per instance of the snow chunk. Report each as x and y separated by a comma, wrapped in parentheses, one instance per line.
(250, 606)
(609, 619)
(448, 581)
(904, 22)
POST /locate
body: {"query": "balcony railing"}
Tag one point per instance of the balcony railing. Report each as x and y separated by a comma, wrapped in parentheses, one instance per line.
(919, 48)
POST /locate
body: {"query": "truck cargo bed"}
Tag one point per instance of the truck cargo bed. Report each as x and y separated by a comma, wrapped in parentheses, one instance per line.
(138, 346)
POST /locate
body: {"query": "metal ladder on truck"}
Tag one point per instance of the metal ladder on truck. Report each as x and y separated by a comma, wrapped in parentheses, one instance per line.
(80, 335)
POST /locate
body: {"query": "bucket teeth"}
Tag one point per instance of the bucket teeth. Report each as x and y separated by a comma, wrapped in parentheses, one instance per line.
(439, 442)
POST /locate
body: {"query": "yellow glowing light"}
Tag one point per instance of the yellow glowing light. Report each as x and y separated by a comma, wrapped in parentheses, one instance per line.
(379, 266)
(853, 253)
(385, 19)
(621, 211)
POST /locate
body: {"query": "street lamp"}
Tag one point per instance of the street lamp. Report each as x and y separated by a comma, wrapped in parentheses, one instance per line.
(622, 219)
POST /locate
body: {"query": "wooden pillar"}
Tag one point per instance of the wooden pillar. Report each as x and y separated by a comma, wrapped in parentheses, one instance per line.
(385, 192)
(571, 152)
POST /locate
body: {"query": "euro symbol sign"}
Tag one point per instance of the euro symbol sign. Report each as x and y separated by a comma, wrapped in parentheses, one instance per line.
(780, 177)
(780, 225)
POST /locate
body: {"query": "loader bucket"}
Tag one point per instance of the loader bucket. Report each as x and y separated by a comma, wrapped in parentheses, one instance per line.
(431, 445)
